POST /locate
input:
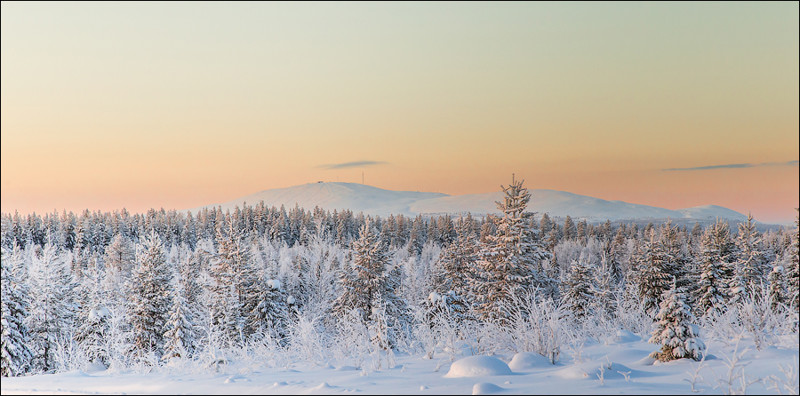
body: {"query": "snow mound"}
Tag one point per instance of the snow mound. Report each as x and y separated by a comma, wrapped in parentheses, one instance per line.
(95, 367)
(320, 389)
(595, 369)
(646, 361)
(527, 361)
(477, 366)
(484, 388)
(624, 336)
(577, 371)
(236, 378)
(614, 371)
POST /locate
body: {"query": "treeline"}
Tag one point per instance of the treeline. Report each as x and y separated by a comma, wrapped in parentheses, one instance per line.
(116, 289)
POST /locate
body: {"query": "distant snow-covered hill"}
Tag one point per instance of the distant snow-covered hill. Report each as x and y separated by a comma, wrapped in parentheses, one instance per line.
(377, 201)
(330, 196)
(711, 212)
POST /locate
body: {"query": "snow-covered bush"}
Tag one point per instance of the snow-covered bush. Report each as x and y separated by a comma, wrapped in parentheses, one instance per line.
(755, 316)
(118, 342)
(632, 315)
(537, 324)
(437, 330)
(307, 339)
(351, 340)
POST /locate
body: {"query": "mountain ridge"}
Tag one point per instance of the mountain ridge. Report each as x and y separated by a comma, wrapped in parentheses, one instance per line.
(377, 201)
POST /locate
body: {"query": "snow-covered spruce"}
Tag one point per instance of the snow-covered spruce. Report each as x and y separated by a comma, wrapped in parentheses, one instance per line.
(52, 308)
(675, 330)
(149, 297)
(793, 272)
(578, 290)
(93, 314)
(777, 288)
(178, 338)
(604, 304)
(368, 287)
(511, 259)
(16, 356)
(715, 269)
(750, 264)
(452, 281)
(658, 261)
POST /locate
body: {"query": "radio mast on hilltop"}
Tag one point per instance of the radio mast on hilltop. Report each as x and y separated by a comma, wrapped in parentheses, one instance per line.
(362, 177)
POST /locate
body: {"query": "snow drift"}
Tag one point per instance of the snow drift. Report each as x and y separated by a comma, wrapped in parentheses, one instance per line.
(478, 366)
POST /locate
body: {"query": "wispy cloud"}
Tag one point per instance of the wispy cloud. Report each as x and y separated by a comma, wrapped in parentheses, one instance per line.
(733, 166)
(354, 164)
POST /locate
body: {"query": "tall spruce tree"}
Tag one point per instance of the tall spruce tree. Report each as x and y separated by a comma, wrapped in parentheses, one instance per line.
(605, 289)
(510, 262)
(675, 259)
(118, 264)
(658, 260)
(52, 305)
(777, 287)
(271, 314)
(793, 272)
(178, 337)
(417, 236)
(149, 296)
(93, 314)
(652, 278)
(545, 225)
(750, 263)
(458, 259)
(616, 255)
(715, 266)
(15, 356)
(570, 230)
(578, 290)
(234, 284)
(451, 280)
(368, 284)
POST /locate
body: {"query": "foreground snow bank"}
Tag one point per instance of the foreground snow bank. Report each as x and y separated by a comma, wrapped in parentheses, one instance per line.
(596, 368)
(485, 388)
(478, 366)
(525, 361)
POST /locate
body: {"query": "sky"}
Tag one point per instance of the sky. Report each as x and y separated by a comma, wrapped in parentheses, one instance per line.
(179, 105)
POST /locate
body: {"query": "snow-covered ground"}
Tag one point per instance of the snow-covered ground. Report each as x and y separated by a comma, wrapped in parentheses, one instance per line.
(620, 366)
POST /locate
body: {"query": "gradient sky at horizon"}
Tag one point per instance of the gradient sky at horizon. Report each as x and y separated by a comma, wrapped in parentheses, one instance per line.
(179, 105)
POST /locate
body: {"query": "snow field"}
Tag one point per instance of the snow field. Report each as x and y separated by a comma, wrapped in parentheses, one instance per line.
(595, 368)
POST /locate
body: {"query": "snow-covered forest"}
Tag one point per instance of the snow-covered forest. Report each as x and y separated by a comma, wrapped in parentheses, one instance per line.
(166, 289)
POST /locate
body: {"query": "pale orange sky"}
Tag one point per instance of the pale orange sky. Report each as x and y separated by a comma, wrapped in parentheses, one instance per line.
(179, 105)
